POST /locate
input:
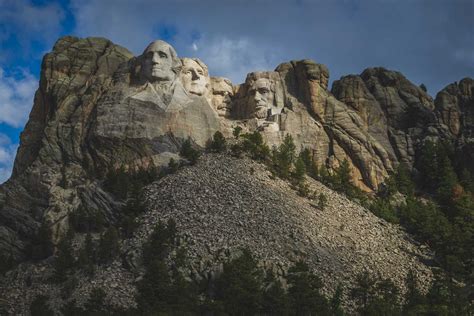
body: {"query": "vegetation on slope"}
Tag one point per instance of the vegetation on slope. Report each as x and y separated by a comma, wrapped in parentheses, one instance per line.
(436, 206)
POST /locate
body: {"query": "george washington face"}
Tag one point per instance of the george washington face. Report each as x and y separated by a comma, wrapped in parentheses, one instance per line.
(158, 60)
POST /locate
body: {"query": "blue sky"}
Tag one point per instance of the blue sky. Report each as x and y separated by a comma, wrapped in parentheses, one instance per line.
(429, 41)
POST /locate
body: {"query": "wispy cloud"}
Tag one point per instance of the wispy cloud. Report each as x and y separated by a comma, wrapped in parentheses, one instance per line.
(7, 156)
(25, 25)
(16, 97)
(415, 37)
(231, 58)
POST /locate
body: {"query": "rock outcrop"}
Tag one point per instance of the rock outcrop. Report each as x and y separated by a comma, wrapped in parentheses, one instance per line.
(51, 176)
(454, 107)
(99, 108)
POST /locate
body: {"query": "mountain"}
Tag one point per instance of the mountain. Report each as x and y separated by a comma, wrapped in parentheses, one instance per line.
(99, 109)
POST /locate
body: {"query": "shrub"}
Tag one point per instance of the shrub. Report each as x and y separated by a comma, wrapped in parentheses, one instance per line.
(304, 291)
(42, 247)
(40, 307)
(253, 144)
(241, 282)
(218, 143)
(109, 245)
(64, 260)
(284, 156)
(84, 221)
(173, 166)
(322, 201)
(236, 131)
(187, 151)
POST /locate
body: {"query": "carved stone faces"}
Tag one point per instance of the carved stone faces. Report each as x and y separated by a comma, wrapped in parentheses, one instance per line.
(194, 76)
(262, 97)
(222, 92)
(159, 61)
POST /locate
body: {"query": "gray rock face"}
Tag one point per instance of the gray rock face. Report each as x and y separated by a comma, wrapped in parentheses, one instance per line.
(98, 108)
(396, 112)
(455, 110)
(50, 176)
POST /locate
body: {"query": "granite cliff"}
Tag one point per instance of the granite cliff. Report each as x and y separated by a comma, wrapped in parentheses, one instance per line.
(99, 108)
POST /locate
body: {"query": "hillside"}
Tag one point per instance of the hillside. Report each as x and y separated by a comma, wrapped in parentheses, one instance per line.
(224, 204)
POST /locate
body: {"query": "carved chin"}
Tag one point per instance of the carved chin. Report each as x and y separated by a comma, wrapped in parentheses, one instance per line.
(158, 74)
(196, 91)
(261, 113)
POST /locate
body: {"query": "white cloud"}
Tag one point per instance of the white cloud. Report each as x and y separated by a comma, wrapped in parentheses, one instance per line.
(16, 97)
(27, 21)
(232, 58)
(465, 55)
(346, 35)
(7, 157)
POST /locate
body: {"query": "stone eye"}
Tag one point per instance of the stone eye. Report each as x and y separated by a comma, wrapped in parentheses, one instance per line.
(163, 55)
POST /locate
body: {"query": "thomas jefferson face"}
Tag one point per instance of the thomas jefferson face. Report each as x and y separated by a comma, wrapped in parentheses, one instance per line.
(262, 97)
(194, 76)
(157, 62)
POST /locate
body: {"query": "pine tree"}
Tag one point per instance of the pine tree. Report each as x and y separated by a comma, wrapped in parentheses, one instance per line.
(117, 182)
(240, 285)
(173, 166)
(164, 290)
(161, 242)
(155, 289)
(414, 300)
(403, 180)
(322, 201)
(304, 291)
(343, 179)
(40, 307)
(386, 300)
(300, 170)
(236, 131)
(218, 143)
(64, 258)
(284, 156)
(427, 165)
(446, 181)
(467, 180)
(42, 246)
(95, 305)
(87, 255)
(274, 298)
(310, 164)
(253, 144)
(336, 302)
(364, 290)
(187, 151)
(109, 245)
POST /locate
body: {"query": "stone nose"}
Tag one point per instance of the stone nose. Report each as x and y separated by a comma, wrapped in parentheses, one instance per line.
(155, 58)
(195, 75)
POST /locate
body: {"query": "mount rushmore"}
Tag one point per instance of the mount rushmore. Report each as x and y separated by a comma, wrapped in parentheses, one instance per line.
(99, 108)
